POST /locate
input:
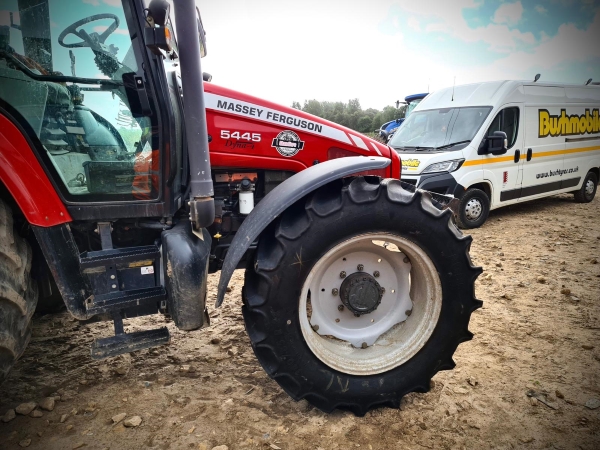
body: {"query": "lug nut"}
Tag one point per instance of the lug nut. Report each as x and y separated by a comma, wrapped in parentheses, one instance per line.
(334, 292)
(364, 345)
(406, 260)
(382, 290)
(342, 274)
(360, 267)
(340, 307)
(376, 274)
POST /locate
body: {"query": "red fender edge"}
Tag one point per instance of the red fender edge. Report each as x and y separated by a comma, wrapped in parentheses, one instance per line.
(23, 176)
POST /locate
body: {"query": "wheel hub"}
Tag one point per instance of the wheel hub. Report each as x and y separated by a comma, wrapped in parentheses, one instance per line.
(361, 293)
(589, 187)
(473, 209)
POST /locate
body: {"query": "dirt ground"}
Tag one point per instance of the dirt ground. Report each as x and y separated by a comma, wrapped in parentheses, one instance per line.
(529, 379)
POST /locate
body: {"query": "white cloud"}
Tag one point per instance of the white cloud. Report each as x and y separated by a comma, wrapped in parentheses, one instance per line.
(115, 3)
(447, 17)
(414, 23)
(91, 2)
(541, 9)
(571, 46)
(509, 13)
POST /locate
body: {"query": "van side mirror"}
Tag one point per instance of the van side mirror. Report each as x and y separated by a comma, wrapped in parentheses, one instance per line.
(495, 144)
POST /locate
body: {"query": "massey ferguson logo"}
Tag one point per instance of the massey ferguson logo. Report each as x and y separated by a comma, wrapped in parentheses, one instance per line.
(288, 143)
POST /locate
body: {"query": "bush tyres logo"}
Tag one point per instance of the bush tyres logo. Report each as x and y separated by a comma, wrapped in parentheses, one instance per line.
(410, 163)
(288, 143)
(568, 125)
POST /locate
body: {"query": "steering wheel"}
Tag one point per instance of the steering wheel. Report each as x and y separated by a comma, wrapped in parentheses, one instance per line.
(92, 40)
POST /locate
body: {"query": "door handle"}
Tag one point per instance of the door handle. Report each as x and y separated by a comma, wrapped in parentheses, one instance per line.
(517, 156)
(529, 154)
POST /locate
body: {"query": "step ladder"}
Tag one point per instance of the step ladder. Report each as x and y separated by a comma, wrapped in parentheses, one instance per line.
(124, 284)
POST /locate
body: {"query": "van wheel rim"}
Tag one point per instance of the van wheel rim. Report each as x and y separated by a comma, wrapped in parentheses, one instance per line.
(589, 187)
(388, 334)
(473, 209)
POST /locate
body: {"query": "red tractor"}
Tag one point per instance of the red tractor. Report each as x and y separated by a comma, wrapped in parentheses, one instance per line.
(125, 180)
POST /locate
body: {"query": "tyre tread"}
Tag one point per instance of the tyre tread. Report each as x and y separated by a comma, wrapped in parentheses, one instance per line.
(18, 293)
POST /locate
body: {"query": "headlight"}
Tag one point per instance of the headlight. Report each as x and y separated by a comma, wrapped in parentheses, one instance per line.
(446, 166)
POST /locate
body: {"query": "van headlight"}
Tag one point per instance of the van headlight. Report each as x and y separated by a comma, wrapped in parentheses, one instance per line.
(445, 166)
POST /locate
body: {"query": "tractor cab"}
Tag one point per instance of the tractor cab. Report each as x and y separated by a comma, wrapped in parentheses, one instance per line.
(73, 77)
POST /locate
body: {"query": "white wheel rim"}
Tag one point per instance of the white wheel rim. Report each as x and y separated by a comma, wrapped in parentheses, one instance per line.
(589, 187)
(473, 209)
(391, 336)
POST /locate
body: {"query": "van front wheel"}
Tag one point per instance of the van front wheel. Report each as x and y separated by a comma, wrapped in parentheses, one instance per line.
(588, 189)
(474, 209)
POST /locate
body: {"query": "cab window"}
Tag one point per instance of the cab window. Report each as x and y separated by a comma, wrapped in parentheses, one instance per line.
(506, 120)
(66, 71)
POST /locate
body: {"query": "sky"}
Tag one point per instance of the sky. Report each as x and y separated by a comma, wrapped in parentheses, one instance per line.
(379, 51)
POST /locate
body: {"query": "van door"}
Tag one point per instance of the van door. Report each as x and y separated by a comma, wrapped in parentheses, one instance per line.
(544, 159)
(505, 172)
(545, 147)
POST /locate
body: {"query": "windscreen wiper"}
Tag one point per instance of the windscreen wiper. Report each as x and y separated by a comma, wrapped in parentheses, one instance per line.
(452, 145)
(418, 148)
(56, 78)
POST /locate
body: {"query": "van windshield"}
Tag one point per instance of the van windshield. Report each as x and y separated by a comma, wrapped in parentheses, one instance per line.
(439, 129)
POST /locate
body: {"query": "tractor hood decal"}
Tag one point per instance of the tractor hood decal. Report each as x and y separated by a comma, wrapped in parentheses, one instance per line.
(258, 112)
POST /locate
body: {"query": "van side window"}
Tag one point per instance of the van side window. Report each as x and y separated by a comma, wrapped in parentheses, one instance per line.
(507, 120)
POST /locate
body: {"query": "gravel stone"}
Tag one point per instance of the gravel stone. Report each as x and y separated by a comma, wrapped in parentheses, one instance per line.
(9, 415)
(133, 422)
(25, 408)
(592, 403)
(118, 417)
(47, 404)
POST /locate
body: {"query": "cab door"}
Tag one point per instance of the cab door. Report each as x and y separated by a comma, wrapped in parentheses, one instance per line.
(505, 171)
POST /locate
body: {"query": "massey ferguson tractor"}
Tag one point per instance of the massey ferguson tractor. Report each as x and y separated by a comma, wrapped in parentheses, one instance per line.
(125, 180)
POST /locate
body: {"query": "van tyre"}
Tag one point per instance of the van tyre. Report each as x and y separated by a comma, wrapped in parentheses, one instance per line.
(367, 226)
(18, 293)
(474, 208)
(588, 189)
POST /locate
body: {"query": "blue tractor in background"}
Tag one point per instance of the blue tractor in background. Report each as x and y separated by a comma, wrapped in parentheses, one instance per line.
(388, 129)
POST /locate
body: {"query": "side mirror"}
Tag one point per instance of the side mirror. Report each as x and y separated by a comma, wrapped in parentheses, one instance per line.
(496, 144)
(201, 34)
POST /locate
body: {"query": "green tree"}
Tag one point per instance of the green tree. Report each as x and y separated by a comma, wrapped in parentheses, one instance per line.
(351, 114)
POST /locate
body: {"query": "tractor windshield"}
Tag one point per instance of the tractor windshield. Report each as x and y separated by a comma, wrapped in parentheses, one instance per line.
(64, 67)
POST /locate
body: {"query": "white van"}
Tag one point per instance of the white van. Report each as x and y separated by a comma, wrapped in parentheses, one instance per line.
(498, 143)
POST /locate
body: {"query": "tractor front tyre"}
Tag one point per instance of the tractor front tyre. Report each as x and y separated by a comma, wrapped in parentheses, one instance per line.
(359, 294)
(18, 293)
